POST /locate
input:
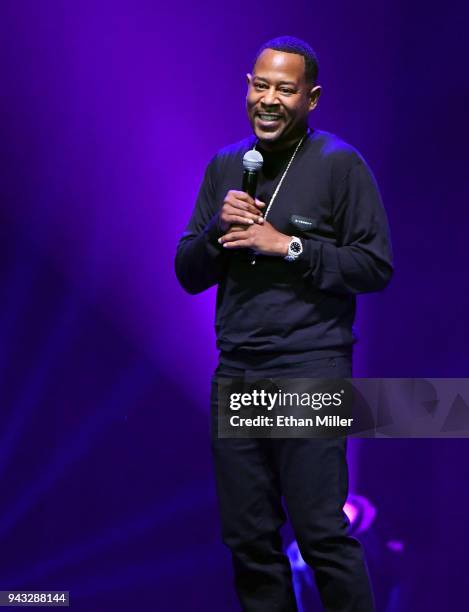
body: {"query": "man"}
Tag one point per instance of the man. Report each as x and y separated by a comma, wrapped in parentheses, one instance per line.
(288, 266)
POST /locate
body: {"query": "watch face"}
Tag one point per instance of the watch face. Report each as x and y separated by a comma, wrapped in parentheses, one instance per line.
(296, 247)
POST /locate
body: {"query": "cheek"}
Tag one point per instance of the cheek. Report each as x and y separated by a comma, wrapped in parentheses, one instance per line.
(297, 111)
(250, 101)
(291, 106)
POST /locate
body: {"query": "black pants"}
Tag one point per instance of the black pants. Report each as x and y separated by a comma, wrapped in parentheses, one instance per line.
(252, 475)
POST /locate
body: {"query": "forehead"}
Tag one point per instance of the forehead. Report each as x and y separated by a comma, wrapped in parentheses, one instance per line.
(280, 66)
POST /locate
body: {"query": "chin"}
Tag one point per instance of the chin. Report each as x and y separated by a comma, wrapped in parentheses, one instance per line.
(268, 136)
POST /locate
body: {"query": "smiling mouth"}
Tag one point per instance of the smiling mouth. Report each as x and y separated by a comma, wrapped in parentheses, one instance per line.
(268, 117)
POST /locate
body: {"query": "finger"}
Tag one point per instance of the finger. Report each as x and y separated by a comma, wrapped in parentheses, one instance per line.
(230, 236)
(242, 195)
(259, 203)
(242, 212)
(236, 244)
(245, 206)
(239, 220)
(243, 199)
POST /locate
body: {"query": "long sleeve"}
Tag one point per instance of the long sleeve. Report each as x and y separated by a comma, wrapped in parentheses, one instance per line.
(362, 259)
(200, 260)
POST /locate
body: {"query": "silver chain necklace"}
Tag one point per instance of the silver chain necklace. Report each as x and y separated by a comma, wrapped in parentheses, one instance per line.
(277, 189)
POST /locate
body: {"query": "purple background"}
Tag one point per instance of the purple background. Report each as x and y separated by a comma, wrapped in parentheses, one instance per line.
(109, 114)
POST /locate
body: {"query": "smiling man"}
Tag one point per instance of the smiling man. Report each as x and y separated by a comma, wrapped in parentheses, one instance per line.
(288, 266)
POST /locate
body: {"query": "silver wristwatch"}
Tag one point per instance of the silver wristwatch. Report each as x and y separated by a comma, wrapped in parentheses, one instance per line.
(295, 248)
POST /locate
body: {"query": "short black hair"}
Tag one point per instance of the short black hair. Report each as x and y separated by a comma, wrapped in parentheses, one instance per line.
(290, 44)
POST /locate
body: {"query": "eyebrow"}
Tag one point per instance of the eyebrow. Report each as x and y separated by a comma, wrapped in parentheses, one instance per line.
(279, 83)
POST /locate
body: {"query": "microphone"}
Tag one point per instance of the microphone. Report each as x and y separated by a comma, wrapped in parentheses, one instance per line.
(252, 163)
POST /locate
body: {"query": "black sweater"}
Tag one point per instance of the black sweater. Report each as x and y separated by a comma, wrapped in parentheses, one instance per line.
(330, 200)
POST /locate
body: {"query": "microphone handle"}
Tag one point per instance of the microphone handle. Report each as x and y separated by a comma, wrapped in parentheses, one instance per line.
(250, 182)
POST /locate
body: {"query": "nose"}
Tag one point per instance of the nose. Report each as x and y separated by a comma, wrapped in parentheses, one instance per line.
(270, 97)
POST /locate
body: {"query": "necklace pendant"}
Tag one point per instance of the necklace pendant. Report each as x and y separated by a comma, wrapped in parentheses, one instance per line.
(253, 261)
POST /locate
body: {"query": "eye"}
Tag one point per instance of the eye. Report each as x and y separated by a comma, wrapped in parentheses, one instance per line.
(286, 91)
(260, 85)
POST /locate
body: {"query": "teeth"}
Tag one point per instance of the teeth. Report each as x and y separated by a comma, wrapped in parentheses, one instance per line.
(265, 117)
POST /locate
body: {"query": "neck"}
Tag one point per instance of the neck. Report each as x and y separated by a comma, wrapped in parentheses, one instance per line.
(274, 147)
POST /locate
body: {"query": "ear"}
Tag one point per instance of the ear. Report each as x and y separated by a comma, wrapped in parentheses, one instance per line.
(248, 78)
(314, 96)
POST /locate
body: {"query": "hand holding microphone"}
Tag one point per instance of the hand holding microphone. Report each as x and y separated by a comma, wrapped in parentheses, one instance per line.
(241, 208)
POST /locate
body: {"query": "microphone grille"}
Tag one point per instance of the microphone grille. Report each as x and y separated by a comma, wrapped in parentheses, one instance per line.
(252, 160)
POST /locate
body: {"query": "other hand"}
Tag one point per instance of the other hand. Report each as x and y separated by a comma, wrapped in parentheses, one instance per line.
(262, 238)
